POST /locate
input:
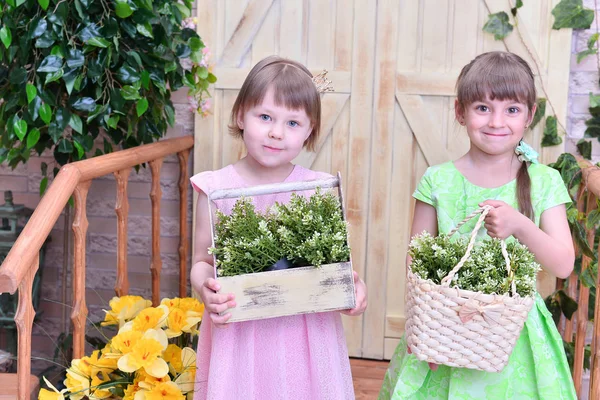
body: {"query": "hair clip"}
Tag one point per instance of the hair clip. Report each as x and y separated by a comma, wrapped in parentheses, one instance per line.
(526, 153)
(322, 83)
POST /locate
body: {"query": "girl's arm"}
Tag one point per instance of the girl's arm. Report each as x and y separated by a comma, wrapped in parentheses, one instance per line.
(425, 219)
(551, 242)
(202, 274)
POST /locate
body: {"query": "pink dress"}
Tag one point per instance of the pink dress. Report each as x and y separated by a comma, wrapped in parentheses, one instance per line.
(300, 357)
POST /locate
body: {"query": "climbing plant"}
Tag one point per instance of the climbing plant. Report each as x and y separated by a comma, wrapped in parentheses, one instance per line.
(73, 70)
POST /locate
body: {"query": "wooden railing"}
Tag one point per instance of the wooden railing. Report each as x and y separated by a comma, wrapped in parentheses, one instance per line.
(589, 193)
(19, 267)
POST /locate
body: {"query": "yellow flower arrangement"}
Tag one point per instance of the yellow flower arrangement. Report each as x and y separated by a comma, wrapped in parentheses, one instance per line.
(139, 362)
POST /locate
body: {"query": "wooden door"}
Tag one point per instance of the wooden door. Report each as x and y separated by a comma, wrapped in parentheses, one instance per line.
(393, 64)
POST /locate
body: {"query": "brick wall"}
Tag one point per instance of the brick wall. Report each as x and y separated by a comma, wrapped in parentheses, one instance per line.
(102, 237)
(583, 80)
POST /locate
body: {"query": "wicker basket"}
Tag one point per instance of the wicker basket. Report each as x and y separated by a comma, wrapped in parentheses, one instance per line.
(461, 328)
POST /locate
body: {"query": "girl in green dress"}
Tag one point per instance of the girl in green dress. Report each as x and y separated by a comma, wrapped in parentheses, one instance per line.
(496, 102)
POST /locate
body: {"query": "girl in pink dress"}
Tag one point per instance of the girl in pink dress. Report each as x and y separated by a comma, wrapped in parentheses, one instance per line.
(277, 113)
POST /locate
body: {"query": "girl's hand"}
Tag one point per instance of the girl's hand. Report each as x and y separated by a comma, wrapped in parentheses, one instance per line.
(502, 221)
(216, 303)
(361, 297)
(432, 366)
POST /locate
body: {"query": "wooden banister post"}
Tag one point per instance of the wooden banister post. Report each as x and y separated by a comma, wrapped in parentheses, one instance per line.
(183, 239)
(122, 211)
(24, 321)
(80, 226)
(156, 263)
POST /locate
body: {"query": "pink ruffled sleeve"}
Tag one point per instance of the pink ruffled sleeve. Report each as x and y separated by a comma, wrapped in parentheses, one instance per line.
(202, 182)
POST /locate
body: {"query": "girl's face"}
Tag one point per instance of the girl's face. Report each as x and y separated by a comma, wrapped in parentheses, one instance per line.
(274, 135)
(495, 126)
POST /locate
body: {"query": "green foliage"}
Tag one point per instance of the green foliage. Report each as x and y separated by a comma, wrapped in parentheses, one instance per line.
(244, 241)
(551, 137)
(485, 269)
(559, 303)
(303, 231)
(540, 112)
(514, 10)
(498, 25)
(312, 232)
(572, 14)
(591, 49)
(585, 148)
(70, 70)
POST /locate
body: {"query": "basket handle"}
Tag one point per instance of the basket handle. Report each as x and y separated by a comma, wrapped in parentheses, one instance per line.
(483, 211)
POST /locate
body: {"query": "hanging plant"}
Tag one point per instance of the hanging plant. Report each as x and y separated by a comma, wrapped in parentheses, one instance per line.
(70, 70)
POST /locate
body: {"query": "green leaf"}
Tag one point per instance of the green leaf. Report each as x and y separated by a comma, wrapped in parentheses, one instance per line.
(80, 151)
(567, 304)
(195, 43)
(85, 104)
(130, 93)
(516, 7)
(50, 64)
(594, 100)
(202, 72)
(592, 40)
(57, 51)
(498, 24)
(126, 74)
(551, 137)
(75, 58)
(145, 29)
(585, 148)
(39, 28)
(98, 42)
(113, 121)
(46, 113)
(5, 36)
(44, 4)
(54, 76)
(33, 137)
(65, 146)
(212, 79)
(170, 113)
(572, 14)
(145, 76)
(141, 107)
(20, 128)
(123, 9)
(31, 92)
(43, 185)
(593, 219)
(583, 54)
(136, 57)
(76, 123)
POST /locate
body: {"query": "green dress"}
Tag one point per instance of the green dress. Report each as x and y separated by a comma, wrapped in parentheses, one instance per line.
(537, 368)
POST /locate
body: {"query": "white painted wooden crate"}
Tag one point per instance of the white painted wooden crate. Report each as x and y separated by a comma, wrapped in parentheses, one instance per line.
(291, 291)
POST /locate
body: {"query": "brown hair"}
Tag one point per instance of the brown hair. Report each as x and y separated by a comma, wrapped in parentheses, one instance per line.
(292, 86)
(503, 76)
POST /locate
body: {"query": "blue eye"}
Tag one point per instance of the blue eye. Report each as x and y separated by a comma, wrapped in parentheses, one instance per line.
(293, 124)
(513, 110)
(265, 117)
(482, 108)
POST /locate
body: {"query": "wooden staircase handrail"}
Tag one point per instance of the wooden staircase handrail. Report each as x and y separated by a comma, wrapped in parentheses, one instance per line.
(20, 258)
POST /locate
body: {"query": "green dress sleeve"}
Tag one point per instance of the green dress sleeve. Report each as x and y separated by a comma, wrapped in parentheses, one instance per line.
(424, 189)
(554, 192)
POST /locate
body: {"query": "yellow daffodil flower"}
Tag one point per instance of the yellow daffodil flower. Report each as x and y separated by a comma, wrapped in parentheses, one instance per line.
(172, 355)
(98, 379)
(162, 391)
(46, 394)
(124, 308)
(187, 376)
(146, 353)
(150, 318)
(125, 341)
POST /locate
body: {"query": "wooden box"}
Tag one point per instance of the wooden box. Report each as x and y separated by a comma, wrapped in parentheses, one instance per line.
(291, 291)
